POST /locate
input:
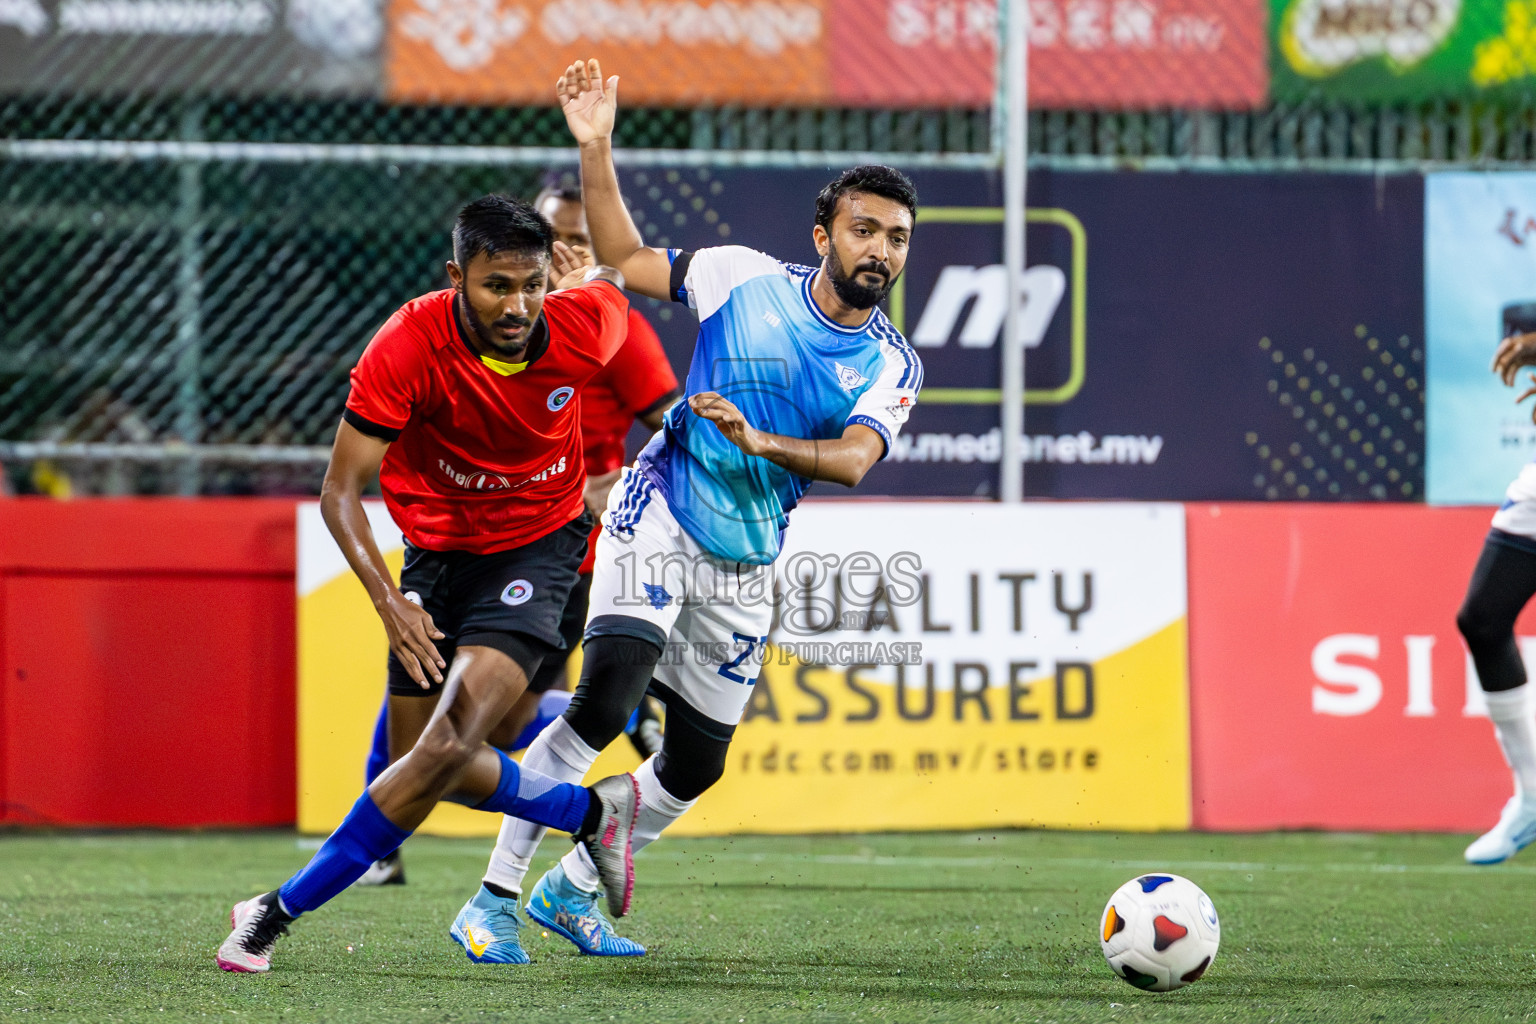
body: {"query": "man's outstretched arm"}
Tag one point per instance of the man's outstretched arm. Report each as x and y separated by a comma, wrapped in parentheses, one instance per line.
(842, 460)
(590, 105)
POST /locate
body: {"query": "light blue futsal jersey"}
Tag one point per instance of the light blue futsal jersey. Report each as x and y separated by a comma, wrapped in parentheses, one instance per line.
(766, 346)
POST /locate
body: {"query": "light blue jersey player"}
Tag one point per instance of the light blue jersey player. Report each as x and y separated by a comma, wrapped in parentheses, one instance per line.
(766, 348)
(796, 377)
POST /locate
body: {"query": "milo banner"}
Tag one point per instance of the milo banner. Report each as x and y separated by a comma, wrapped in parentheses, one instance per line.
(1387, 51)
(932, 666)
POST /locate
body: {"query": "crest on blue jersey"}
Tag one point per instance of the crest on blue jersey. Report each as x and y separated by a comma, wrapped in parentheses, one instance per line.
(656, 595)
(849, 378)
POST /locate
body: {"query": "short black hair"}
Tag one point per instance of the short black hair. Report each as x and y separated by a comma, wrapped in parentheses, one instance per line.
(874, 179)
(498, 223)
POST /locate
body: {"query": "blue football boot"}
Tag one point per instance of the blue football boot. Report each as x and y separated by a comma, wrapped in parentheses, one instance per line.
(565, 910)
(487, 929)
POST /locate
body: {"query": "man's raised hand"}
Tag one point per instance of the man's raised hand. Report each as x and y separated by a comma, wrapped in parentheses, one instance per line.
(588, 106)
(569, 267)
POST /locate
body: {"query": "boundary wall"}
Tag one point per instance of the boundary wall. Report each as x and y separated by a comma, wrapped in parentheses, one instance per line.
(1266, 666)
(146, 662)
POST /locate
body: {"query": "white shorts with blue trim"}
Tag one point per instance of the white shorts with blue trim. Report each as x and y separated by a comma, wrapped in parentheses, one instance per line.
(714, 613)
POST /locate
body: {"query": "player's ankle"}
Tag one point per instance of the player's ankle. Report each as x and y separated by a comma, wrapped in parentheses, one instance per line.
(591, 820)
(501, 891)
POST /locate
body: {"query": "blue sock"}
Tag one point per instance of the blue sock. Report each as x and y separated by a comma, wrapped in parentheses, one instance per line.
(378, 756)
(532, 796)
(363, 836)
(551, 706)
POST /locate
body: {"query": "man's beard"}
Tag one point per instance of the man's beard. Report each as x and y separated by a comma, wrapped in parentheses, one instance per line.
(504, 350)
(849, 290)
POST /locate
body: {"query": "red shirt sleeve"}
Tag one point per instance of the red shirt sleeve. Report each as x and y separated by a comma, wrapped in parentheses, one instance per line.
(595, 315)
(392, 376)
(639, 375)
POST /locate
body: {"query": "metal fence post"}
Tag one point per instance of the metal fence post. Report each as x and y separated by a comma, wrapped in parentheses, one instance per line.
(189, 304)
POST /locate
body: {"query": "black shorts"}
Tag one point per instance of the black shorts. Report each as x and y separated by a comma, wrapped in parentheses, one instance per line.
(572, 621)
(511, 600)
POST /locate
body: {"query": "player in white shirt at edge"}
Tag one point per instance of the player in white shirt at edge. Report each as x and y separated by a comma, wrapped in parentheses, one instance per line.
(796, 377)
(1502, 583)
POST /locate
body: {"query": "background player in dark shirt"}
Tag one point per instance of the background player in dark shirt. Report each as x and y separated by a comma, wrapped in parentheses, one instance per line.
(462, 405)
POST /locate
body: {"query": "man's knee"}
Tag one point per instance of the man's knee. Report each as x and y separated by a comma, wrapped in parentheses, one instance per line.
(1480, 629)
(442, 750)
(687, 777)
(615, 671)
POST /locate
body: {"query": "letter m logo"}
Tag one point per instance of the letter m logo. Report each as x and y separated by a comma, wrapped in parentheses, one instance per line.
(1044, 287)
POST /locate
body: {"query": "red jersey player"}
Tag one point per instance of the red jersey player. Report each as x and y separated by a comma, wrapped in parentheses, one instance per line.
(463, 406)
(636, 384)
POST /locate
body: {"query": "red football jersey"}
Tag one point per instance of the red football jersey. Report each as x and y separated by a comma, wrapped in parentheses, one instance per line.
(479, 461)
(635, 380)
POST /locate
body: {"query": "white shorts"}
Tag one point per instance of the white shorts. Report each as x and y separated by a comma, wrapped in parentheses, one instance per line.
(714, 614)
(1518, 514)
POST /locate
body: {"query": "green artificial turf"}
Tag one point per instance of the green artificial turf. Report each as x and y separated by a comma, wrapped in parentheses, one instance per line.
(946, 926)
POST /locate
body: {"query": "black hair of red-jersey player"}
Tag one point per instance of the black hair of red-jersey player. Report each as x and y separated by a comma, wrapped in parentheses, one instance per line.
(496, 224)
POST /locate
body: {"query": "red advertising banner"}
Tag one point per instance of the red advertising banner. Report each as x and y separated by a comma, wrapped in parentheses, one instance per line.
(1328, 685)
(1148, 53)
(1083, 53)
(943, 52)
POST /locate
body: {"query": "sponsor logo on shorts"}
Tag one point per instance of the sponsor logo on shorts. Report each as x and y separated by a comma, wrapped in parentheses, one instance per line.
(558, 398)
(517, 592)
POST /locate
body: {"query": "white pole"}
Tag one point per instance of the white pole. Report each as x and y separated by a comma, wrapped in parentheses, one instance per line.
(1015, 154)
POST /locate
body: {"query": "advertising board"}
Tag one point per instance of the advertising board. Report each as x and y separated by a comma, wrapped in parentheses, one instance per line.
(1084, 53)
(230, 47)
(1328, 685)
(1479, 285)
(1399, 51)
(933, 666)
(1188, 336)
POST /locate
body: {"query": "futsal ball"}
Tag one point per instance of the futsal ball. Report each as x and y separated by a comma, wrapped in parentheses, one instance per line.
(1159, 932)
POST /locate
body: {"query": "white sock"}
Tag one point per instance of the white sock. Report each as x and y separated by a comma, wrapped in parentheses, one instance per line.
(1515, 727)
(658, 809)
(559, 753)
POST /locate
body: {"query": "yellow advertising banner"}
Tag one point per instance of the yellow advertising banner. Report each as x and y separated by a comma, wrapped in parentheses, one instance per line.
(931, 666)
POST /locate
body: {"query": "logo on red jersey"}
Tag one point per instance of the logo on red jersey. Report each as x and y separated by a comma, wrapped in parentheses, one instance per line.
(558, 398)
(476, 480)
